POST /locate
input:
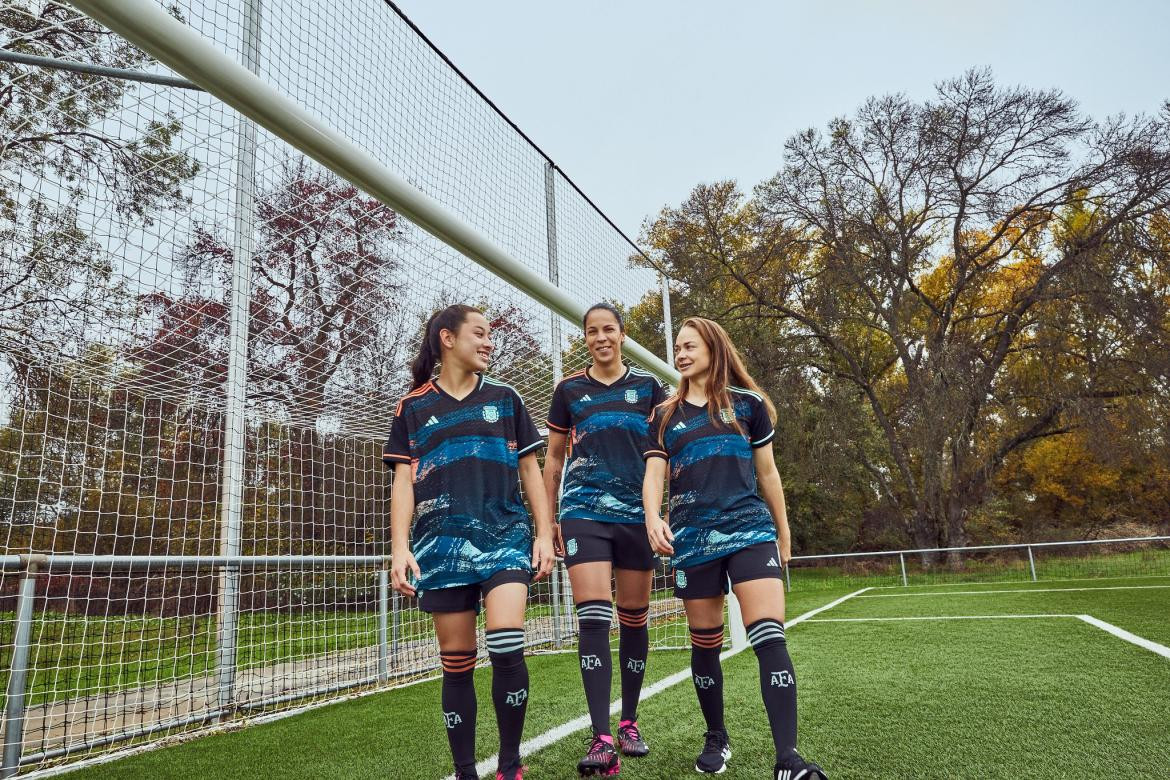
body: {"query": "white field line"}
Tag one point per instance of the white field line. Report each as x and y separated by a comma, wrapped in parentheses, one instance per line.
(556, 734)
(1120, 633)
(940, 617)
(1011, 590)
(1024, 581)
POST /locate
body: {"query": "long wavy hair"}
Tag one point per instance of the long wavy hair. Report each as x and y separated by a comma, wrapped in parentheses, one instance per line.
(431, 349)
(726, 370)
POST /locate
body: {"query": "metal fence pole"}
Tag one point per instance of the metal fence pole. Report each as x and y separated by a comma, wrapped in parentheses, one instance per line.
(667, 326)
(395, 618)
(788, 576)
(902, 560)
(554, 270)
(231, 520)
(383, 620)
(556, 603)
(18, 674)
(1032, 563)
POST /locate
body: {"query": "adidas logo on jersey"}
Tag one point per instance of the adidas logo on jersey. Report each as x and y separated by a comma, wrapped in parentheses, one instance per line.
(586, 397)
(681, 426)
(772, 563)
(433, 421)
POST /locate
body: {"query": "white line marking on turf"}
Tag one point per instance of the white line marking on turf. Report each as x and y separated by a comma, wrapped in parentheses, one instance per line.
(1012, 590)
(1121, 633)
(554, 735)
(939, 617)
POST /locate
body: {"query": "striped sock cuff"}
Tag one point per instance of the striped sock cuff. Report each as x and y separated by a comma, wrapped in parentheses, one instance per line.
(633, 618)
(766, 630)
(505, 640)
(457, 662)
(595, 612)
(707, 638)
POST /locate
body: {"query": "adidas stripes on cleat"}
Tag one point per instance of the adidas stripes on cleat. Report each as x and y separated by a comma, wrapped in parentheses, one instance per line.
(793, 767)
(716, 751)
(630, 739)
(601, 760)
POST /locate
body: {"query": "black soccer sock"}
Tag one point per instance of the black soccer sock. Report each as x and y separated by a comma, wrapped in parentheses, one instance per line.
(777, 682)
(633, 647)
(594, 618)
(459, 706)
(509, 689)
(707, 674)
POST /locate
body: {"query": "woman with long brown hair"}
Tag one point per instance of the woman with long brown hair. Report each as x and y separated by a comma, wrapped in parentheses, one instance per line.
(728, 531)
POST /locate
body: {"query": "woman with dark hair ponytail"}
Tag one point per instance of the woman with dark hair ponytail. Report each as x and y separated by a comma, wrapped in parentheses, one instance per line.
(728, 531)
(461, 445)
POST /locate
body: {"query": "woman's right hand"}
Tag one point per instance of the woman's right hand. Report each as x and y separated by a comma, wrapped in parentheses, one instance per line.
(660, 536)
(402, 565)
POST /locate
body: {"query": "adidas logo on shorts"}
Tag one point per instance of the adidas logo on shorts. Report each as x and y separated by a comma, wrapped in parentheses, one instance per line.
(772, 562)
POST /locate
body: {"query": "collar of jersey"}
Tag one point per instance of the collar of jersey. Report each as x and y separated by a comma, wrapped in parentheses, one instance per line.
(616, 382)
(445, 394)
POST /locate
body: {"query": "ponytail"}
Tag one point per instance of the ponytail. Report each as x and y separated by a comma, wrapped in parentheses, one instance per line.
(431, 349)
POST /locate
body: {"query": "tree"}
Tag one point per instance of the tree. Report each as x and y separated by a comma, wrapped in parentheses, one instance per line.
(65, 145)
(941, 259)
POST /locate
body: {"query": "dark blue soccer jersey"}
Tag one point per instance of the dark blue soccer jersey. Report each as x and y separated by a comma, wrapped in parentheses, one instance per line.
(605, 426)
(715, 507)
(470, 521)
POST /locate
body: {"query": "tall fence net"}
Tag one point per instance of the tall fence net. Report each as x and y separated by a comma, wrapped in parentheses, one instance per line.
(141, 222)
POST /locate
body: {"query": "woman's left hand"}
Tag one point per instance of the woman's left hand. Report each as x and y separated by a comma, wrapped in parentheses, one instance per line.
(543, 557)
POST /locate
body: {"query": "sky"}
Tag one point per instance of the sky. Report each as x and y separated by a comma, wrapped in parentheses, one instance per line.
(639, 101)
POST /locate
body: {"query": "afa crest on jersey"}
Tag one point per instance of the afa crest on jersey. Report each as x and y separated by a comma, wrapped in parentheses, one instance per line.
(727, 415)
(631, 396)
(491, 414)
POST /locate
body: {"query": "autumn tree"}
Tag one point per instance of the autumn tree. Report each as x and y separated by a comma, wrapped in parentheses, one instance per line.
(978, 268)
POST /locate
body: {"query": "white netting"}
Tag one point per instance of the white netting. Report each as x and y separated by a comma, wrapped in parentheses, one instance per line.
(122, 208)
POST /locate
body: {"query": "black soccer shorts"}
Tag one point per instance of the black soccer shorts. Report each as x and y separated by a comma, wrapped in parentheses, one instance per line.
(715, 578)
(625, 545)
(462, 598)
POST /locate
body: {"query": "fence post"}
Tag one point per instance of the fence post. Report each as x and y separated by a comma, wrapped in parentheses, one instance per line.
(667, 326)
(735, 623)
(383, 619)
(788, 576)
(232, 491)
(556, 602)
(18, 675)
(1031, 563)
(395, 611)
(902, 560)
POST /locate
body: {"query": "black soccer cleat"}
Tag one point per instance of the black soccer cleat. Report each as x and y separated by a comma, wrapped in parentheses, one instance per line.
(630, 739)
(794, 767)
(716, 751)
(601, 760)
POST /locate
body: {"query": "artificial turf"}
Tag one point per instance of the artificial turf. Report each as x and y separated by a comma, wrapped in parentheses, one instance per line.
(996, 698)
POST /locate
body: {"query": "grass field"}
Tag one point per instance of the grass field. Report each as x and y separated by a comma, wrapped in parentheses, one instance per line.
(892, 684)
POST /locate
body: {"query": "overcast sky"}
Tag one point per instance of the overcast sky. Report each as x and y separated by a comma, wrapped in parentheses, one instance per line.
(638, 101)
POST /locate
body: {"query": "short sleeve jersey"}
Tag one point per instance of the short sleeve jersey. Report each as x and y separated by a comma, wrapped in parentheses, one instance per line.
(715, 506)
(470, 521)
(605, 426)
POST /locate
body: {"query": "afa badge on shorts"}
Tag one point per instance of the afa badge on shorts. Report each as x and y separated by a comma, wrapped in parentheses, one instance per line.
(491, 414)
(680, 578)
(571, 547)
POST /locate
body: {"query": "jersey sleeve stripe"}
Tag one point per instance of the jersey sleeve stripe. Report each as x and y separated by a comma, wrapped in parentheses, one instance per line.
(655, 454)
(556, 427)
(765, 440)
(531, 447)
(742, 391)
(395, 456)
(413, 394)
